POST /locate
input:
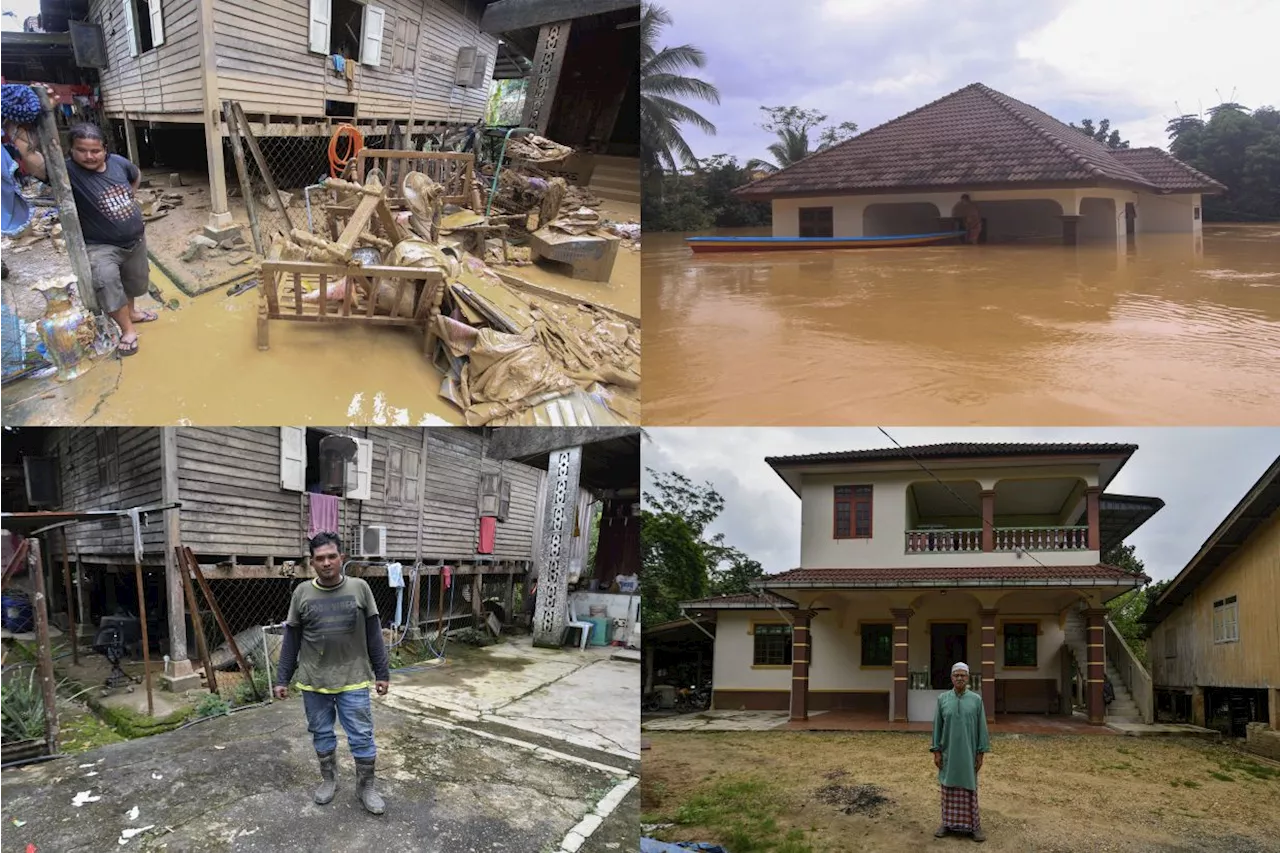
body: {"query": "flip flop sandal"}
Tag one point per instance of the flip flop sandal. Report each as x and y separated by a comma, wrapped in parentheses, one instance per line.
(127, 348)
(148, 317)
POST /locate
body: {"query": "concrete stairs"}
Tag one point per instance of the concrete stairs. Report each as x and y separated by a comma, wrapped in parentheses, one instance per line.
(616, 178)
(1123, 709)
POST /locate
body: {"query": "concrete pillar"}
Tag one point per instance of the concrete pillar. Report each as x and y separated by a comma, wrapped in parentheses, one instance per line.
(800, 645)
(901, 657)
(988, 660)
(988, 520)
(560, 504)
(1070, 230)
(179, 675)
(1093, 498)
(1097, 667)
(548, 58)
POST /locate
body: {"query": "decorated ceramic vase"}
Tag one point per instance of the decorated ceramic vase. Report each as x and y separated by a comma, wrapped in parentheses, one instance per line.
(66, 329)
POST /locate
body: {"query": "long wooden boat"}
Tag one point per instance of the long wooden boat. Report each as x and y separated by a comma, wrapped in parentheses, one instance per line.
(791, 244)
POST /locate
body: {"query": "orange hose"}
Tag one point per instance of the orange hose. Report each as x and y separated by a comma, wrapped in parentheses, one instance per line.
(355, 142)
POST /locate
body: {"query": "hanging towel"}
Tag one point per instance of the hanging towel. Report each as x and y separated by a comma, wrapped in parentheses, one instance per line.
(446, 572)
(488, 533)
(395, 578)
(339, 63)
(324, 514)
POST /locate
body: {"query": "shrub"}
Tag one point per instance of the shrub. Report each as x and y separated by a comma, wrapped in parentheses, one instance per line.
(212, 705)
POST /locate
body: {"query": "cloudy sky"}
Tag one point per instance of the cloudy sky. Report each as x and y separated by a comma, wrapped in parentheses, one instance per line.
(1137, 62)
(1201, 474)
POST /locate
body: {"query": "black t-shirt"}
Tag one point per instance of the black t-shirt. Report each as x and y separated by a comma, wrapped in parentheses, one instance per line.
(108, 213)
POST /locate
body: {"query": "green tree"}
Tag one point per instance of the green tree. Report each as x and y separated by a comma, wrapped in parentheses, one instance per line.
(1240, 148)
(720, 175)
(1102, 133)
(663, 88)
(1126, 610)
(792, 126)
(680, 561)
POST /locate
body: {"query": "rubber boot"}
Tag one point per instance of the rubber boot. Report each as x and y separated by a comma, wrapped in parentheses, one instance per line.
(329, 779)
(365, 790)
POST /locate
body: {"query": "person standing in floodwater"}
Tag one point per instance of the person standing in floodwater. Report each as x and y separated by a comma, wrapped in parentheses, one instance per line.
(966, 211)
(334, 640)
(105, 187)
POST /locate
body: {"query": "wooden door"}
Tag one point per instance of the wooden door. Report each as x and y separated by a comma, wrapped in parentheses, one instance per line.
(949, 643)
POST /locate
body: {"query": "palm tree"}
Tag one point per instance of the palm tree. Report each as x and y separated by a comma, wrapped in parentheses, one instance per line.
(662, 85)
(792, 147)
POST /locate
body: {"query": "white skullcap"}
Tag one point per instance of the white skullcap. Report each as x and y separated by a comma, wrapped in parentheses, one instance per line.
(959, 665)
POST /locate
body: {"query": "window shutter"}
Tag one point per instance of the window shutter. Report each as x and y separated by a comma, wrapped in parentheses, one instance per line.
(395, 474)
(157, 23)
(319, 33)
(130, 27)
(411, 46)
(412, 471)
(375, 19)
(397, 43)
(293, 459)
(480, 70)
(362, 490)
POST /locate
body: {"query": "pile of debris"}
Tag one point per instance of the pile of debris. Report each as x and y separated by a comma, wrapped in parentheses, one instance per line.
(156, 204)
(537, 149)
(508, 357)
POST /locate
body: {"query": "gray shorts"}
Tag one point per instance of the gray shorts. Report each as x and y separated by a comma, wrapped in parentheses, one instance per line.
(118, 274)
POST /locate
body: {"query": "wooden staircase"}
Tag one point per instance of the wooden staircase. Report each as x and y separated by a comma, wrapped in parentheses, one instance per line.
(616, 178)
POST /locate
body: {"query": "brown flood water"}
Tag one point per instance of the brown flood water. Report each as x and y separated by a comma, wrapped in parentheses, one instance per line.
(1158, 333)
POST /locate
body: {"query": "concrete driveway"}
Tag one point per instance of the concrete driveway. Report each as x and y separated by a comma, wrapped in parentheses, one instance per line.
(243, 782)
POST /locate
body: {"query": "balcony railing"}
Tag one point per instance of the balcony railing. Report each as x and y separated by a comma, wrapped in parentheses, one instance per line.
(922, 679)
(969, 540)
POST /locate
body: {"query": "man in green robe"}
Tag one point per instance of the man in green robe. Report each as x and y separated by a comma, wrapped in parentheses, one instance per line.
(959, 744)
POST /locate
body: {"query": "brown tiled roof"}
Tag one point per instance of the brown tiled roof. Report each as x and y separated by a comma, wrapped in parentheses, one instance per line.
(965, 449)
(975, 137)
(761, 599)
(1166, 171)
(942, 575)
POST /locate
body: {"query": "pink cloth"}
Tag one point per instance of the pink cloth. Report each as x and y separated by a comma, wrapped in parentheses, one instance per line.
(324, 514)
(488, 535)
(447, 574)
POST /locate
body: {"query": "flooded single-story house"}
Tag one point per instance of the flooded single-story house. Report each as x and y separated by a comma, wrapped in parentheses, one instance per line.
(1030, 175)
(912, 559)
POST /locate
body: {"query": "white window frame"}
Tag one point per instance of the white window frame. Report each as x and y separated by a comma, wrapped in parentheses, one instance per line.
(373, 28)
(293, 464)
(1226, 620)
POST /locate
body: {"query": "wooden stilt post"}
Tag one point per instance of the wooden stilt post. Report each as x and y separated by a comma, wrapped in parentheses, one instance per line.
(222, 622)
(146, 643)
(44, 651)
(196, 622)
(242, 170)
(55, 165)
(71, 604)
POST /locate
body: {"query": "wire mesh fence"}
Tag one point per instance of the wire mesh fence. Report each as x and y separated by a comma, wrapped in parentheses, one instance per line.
(253, 612)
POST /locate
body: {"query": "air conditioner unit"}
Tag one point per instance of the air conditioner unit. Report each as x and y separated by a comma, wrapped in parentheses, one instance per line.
(372, 541)
(470, 68)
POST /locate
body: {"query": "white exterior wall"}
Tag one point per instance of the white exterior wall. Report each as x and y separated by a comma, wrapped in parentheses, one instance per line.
(1101, 222)
(819, 549)
(1168, 214)
(735, 649)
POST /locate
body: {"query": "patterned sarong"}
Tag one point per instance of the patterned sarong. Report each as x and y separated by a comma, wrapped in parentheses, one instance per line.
(960, 809)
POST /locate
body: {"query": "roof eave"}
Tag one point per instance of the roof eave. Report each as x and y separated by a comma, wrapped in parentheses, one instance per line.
(1133, 580)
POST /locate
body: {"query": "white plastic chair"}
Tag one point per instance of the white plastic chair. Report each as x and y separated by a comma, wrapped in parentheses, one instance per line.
(583, 627)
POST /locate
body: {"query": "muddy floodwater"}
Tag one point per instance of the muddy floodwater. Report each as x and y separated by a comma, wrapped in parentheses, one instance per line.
(1166, 330)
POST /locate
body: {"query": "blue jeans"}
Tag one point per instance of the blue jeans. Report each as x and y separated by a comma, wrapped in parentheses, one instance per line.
(355, 711)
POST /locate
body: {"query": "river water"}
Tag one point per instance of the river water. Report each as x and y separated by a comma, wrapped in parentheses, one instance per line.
(1166, 330)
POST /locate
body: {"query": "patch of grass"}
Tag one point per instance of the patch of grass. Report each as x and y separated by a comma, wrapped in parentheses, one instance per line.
(211, 705)
(742, 813)
(1184, 783)
(83, 732)
(1253, 768)
(1221, 777)
(1123, 751)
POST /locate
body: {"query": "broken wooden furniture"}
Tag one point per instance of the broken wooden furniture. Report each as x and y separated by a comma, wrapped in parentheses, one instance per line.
(450, 169)
(589, 256)
(285, 285)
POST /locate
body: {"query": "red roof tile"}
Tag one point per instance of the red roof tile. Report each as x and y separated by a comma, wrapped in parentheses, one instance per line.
(1166, 171)
(971, 138)
(763, 599)
(941, 574)
(958, 449)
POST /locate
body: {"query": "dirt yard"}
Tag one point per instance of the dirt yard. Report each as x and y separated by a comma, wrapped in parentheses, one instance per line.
(815, 793)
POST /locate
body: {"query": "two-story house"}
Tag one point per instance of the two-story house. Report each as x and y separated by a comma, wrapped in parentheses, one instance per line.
(914, 558)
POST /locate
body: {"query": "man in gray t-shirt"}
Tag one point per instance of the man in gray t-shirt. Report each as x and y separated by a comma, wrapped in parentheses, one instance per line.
(104, 186)
(333, 652)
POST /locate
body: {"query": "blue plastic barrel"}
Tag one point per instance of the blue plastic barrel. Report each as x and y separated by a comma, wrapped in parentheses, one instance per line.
(18, 617)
